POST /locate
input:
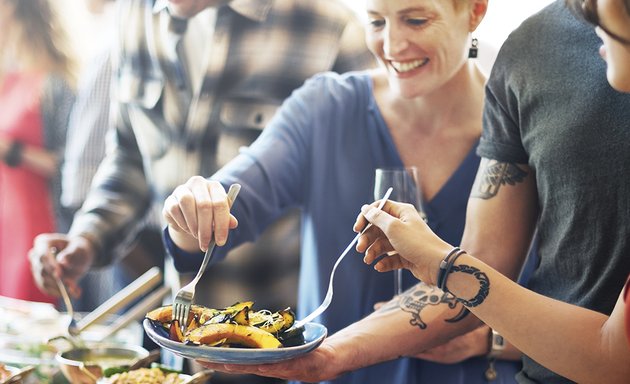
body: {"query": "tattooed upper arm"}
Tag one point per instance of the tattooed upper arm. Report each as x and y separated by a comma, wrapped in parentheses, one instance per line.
(492, 175)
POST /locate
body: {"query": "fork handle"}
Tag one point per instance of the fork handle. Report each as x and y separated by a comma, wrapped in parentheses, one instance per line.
(232, 193)
(328, 298)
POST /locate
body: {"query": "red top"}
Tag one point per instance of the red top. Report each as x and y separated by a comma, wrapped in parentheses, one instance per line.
(25, 206)
(626, 299)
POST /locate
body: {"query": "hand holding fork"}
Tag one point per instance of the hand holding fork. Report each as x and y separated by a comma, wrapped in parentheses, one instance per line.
(184, 298)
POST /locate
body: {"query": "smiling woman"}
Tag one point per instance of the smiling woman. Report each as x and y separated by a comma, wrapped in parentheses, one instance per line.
(501, 18)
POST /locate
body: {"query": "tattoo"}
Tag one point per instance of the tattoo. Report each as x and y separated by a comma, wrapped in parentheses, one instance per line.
(484, 285)
(460, 316)
(492, 175)
(391, 305)
(422, 296)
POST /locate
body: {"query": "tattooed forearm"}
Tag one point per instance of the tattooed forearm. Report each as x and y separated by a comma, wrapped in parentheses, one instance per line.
(422, 296)
(484, 285)
(492, 175)
(391, 305)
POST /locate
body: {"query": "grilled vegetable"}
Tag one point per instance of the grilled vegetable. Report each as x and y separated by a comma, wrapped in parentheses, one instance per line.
(175, 332)
(237, 324)
(273, 322)
(245, 335)
(292, 337)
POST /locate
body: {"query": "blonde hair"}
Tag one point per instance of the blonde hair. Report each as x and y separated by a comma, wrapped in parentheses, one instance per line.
(36, 38)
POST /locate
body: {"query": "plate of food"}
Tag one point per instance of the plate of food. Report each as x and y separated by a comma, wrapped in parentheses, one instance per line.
(234, 335)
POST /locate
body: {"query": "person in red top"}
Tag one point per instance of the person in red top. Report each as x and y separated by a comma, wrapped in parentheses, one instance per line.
(35, 102)
(580, 344)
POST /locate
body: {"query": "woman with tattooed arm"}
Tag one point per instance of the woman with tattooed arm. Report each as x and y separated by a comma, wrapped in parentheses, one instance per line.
(580, 344)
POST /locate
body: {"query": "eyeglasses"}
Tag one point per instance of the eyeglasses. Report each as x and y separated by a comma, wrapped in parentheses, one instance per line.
(589, 10)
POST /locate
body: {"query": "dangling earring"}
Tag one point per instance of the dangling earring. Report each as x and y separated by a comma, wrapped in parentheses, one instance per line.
(473, 50)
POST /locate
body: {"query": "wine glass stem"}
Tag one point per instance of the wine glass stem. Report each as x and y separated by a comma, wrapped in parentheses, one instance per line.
(398, 289)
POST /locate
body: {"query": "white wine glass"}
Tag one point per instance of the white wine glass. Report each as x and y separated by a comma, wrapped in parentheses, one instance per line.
(406, 189)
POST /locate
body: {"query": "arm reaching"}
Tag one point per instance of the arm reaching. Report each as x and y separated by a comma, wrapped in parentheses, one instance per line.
(600, 353)
(421, 318)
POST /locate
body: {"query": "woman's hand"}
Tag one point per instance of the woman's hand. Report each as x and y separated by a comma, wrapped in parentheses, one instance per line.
(313, 367)
(400, 233)
(196, 211)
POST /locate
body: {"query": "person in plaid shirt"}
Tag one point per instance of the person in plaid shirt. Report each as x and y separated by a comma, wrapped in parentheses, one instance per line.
(194, 81)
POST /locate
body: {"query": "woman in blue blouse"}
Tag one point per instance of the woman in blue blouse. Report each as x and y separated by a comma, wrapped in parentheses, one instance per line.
(423, 108)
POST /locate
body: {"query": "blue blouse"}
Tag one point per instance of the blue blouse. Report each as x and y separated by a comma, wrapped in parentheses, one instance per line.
(319, 153)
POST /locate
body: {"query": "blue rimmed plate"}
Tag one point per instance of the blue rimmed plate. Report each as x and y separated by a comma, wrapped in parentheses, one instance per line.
(314, 334)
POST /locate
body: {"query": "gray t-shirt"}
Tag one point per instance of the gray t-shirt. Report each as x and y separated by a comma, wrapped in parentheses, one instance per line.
(549, 106)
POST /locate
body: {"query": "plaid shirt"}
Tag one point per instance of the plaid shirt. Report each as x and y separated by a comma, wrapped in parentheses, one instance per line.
(261, 51)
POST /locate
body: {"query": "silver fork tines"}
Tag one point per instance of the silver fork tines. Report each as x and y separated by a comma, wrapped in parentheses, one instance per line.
(329, 294)
(184, 298)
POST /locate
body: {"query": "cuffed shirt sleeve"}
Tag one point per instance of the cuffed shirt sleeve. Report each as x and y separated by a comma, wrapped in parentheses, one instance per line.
(182, 260)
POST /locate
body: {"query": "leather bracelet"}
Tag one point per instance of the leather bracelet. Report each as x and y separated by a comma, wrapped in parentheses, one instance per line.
(443, 265)
(13, 157)
(447, 268)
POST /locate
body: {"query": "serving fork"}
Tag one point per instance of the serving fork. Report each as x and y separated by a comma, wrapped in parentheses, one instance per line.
(73, 329)
(329, 294)
(184, 298)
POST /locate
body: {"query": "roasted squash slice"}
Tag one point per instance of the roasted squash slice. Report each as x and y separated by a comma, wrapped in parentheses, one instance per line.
(165, 314)
(175, 332)
(237, 307)
(233, 334)
(241, 317)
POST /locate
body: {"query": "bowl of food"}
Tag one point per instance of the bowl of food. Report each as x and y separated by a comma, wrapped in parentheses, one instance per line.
(87, 365)
(29, 333)
(156, 374)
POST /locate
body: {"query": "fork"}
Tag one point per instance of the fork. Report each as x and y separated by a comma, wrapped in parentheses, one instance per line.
(73, 329)
(184, 298)
(329, 294)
